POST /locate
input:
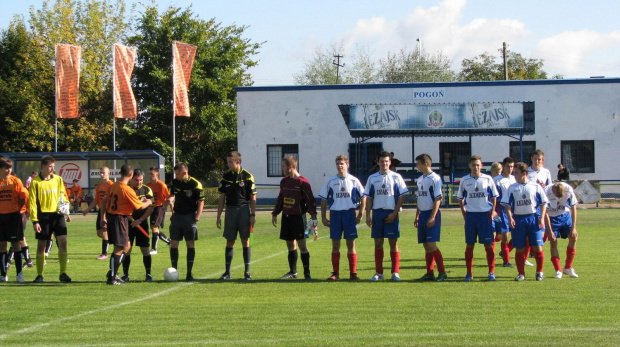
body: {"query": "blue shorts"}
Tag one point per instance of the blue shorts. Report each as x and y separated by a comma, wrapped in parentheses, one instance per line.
(526, 226)
(381, 229)
(479, 227)
(561, 225)
(342, 221)
(503, 225)
(425, 234)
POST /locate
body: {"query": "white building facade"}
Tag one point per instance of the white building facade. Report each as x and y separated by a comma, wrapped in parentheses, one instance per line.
(577, 123)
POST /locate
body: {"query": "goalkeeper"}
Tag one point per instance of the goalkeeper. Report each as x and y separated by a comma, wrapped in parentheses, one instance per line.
(295, 193)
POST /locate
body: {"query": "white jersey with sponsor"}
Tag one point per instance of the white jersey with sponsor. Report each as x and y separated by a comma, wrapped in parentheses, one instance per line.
(385, 189)
(559, 206)
(502, 183)
(542, 176)
(476, 193)
(524, 198)
(429, 189)
(341, 192)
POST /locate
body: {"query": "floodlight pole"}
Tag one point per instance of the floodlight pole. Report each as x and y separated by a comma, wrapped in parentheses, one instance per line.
(338, 65)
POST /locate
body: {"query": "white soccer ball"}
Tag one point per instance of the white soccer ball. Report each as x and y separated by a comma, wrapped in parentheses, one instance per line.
(171, 275)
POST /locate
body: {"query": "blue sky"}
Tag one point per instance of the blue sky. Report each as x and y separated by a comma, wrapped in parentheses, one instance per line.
(577, 39)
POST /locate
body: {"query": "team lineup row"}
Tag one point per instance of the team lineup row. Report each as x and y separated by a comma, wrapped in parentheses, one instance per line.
(526, 204)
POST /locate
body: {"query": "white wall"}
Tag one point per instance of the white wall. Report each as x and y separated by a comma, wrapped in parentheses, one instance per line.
(309, 117)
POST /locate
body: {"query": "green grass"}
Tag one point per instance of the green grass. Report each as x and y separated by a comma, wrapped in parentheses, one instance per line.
(268, 311)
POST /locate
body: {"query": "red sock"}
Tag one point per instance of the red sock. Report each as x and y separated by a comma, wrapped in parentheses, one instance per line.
(352, 262)
(498, 237)
(570, 256)
(395, 256)
(556, 263)
(379, 261)
(336, 262)
(430, 262)
(439, 259)
(520, 260)
(505, 252)
(491, 258)
(469, 260)
(545, 237)
(540, 259)
(510, 246)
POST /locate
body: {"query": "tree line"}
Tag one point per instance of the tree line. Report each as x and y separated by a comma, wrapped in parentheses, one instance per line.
(27, 75)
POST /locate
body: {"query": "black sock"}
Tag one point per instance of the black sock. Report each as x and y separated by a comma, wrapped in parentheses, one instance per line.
(228, 256)
(174, 257)
(164, 238)
(147, 260)
(247, 257)
(10, 255)
(292, 261)
(154, 239)
(126, 263)
(104, 246)
(18, 263)
(48, 246)
(305, 259)
(26, 253)
(3, 258)
(115, 264)
(191, 254)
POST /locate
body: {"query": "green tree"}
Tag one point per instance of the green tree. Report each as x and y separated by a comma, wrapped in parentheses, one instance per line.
(222, 59)
(487, 67)
(321, 68)
(415, 66)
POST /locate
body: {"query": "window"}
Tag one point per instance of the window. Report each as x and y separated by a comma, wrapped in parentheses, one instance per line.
(454, 159)
(275, 153)
(362, 158)
(528, 148)
(578, 156)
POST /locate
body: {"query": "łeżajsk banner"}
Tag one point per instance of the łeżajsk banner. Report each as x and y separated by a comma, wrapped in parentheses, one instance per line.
(125, 105)
(67, 80)
(182, 62)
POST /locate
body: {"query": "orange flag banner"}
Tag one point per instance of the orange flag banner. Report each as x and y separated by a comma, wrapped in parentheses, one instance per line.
(67, 80)
(182, 62)
(125, 105)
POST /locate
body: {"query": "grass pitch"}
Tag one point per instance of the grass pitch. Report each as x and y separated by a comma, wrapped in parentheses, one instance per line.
(269, 311)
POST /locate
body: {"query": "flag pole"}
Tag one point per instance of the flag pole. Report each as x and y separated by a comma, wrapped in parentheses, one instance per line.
(174, 129)
(113, 101)
(56, 102)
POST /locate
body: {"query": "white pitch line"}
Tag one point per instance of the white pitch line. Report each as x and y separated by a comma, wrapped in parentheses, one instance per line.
(103, 309)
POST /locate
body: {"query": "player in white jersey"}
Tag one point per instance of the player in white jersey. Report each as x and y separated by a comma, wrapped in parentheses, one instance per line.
(502, 224)
(477, 195)
(428, 217)
(562, 222)
(521, 203)
(341, 193)
(538, 173)
(385, 193)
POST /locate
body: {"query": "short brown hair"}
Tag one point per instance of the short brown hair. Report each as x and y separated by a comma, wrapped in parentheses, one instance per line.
(48, 159)
(425, 158)
(538, 152)
(558, 189)
(127, 170)
(508, 160)
(181, 166)
(522, 167)
(343, 158)
(474, 158)
(290, 161)
(235, 155)
(5, 162)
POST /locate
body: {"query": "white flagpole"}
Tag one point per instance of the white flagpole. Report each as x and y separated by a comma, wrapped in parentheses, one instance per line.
(114, 100)
(56, 102)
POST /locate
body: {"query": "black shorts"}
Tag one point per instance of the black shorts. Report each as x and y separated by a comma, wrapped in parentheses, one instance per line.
(183, 226)
(51, 223)
(237, 220)
(118, 230)
(138, 236)
(292, 227)
(11, 227)
(158, 216)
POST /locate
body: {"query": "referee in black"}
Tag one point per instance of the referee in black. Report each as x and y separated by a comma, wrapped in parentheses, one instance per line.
(238, 190)
(188, 196)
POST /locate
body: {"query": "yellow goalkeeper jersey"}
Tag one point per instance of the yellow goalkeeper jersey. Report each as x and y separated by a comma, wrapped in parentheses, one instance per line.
(44, 195)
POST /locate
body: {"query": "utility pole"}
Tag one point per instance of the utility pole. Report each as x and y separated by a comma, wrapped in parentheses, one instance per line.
(338, 65)
(505, 63)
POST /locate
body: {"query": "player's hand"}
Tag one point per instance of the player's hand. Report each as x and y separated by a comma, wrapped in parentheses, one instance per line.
(84, 213)
(391, 217)
(573, 235)
(218, 222)
(368, 220)
(551, 235)
(325, 221)
(415, 222)
(103, 224)
(316, 234)
(274, 220)
(512, 223)
(493, 215)
(430, 223)
(135, 223)
(358, 219)
(37, 228)
(68, 218)
(252, 220)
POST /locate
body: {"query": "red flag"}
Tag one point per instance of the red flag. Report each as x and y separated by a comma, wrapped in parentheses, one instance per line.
(182, 62)
(125, 105)
(67, 80)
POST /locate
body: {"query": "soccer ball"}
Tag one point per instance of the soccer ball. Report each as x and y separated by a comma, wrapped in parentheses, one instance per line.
(171, 275)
